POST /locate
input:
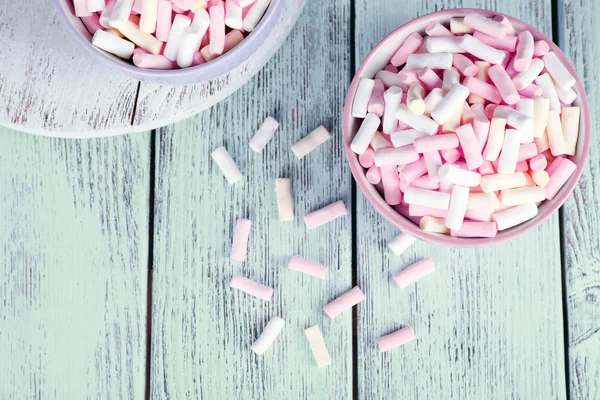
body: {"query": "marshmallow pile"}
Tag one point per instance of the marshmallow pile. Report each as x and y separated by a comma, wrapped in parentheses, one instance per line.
(169, 34)
(312, 220)
(475, 129)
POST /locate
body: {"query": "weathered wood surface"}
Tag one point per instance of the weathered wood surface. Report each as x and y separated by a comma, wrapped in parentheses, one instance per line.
(49, 84)
(489, 321)
(73, 267)
(201, 329)
(579, 35)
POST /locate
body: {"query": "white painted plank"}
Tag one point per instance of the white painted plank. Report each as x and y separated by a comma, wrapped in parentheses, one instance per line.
(579, 35)
(488, 321)
(159, 105)
(49, 85)
(201, 329)
(73, 266)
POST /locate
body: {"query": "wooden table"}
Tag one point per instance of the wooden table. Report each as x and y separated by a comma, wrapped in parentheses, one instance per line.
(114, 258)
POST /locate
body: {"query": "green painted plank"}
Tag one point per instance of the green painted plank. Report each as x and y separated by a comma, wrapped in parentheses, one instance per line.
(201, 329)
(488, 321)
(581, 220)
(73, 266)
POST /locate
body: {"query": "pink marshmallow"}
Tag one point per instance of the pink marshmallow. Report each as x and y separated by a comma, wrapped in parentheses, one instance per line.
(410, 46)
(416, 210)
(92, 23)
(470, 146)
(540, 48)
(407, 77)
(436, 142)
(251, 287)
(524, 52)
(153, 61)
(308, 267)
(464, 65)
(474, 229)
(366, 159)
(240, 239)
(398, 338)
(436, 29)
(481, 127)
(391, 68)
(486, 25)
(396, 156)
(527, 151)
(482, 89)
(373, 175)
(413, 170)
(391, 188)
(451, 155)
(430, 79)
(559, 177)
(163, 21)
(508, 43)
(81, 8)
(531, 91)
(344, 302)
(325, 215)
(538, 163)
(414, 272)
(504, 84)
(425, 182)
(554, 165)
(217, 29)
(183, 5)
(486, 168)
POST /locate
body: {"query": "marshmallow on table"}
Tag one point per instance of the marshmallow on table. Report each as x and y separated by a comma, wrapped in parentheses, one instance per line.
(365, 133)
(153, 61)
(510, 152)
(515, 216)
(433, 225)
(429, 198)
(163, 19)
(264, 134)
(418, 122)
(252, 288)
(486, 25)
(392, 98)
(481, 50)
(400, 243)
(283, 189)
(545, 82)
(558, 71)
(226, 165)
(429, 60)
(470, 146)
(476, 229)
(113, 44)
(361, 97)
(120, 13)
(570, 128)
(317, 346)
(325, 215)
(344, 302)
(308, 267)
(451, 104)
(414, 272)
(555, 134)
(410, 46)
(559, 177)
(268, 335)
(255, 14)
(240, 239)
(396, 339)
(233, 14)
(180, 23)
(311, 142)
(495, 182)
(522, 195)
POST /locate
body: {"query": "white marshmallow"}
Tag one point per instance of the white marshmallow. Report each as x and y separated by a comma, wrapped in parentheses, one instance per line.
(443, 44)
(362, 97)
(264, 134)
(233, 14)
(283, 191)
(365, 133)
(527, 107)
(458, 176)
(523, 195)
(392, 98)
(255, 14)
(268, 335)
(510, 151)
(427, 198)
(418, 122)
(547, 85)
(180, 23)
(317, 346)
(120, 13)
(226, 165)
(526, 78)
(430, 60)
(558, 71)
(451, 105)
(148, 16)
(404, 138)
(458, 207)
(481, 50)
(113, 44)
(541, 107)
(515, 216)
(414, 99)
(401, 242)
(190, 42)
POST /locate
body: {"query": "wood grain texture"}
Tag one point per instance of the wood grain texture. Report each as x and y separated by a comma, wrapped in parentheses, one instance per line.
(201, 329)
(578, 33)
(73, 267)
(49, 85)
(160, 105)
(488, 321)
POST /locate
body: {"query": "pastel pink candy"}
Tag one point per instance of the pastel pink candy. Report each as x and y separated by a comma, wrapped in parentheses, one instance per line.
(308, 267)
(475, 229)
(527, 151)
(366, 159)
(376, 102)
(373, 175)
(398, 338)
(554, 164)
(325, 215)
(559, 177)
(486, 25)
(240, 239)
(538, 163)
(217, 29)
(410, 46)
(92, 23)
(407, 77)
(464, 65)
(414, 272)
(430, 79)
(436, 142)
(470, 146)
(508, 43)
(540, 48)
(436, 29)
(344, 302)
(416, 210)
(482, 89)
(163, 21)
(531, 91)
(251, 287)
(391, 188)
(504, 84)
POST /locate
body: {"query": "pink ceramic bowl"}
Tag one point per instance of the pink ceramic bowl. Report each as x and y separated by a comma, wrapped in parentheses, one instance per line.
(379, 57)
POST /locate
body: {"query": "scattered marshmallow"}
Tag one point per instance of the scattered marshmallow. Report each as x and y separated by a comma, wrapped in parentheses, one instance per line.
(226, 165)
(268, 335)
(317, 346)
(396, 339)
(264, 134)
(251, 287)
(325, 215)
(414, 272)
(241, 233)
(344, 302)
(308, 267)
(311, 142)
(283, 191)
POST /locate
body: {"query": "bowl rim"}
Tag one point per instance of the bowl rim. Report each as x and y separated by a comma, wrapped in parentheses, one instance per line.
(206, 71)
(406, 225)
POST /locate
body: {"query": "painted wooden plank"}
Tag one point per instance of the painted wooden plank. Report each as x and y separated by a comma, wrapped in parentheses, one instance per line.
(49, 85)
(73, 266)
(159, 105)
(488, 321)
(578, 35)
(201, 329)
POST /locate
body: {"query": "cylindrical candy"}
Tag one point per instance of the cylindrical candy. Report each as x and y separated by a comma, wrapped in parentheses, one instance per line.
(317, 346)
(398, 338)
(308, 267)
(311, 142)
(325, 215)
(268, 335)
(283, 191)
(515, 216)
(251, 287)
(344, 302)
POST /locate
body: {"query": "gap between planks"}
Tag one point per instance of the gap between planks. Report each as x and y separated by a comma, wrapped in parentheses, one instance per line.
(151, 186)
